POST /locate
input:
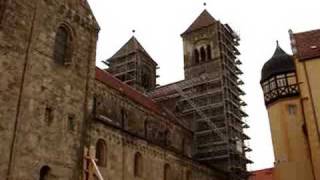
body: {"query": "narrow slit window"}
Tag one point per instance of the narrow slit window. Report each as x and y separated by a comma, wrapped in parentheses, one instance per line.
(196, 56)
(203, 54)
(209, 54)
(49, 116)
(138, 165)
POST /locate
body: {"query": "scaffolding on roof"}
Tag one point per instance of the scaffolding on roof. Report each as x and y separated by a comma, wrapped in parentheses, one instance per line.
(212, 102)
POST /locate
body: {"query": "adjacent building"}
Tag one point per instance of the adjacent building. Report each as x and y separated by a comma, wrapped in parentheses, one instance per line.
(264, 174)
(291, 90)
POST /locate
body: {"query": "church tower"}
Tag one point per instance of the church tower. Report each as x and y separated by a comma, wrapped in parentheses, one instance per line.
(287, 119)
(47, 68)
(134, 66)
(210, 52)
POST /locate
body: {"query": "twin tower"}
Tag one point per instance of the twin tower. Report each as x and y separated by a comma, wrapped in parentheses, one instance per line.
(209, 100)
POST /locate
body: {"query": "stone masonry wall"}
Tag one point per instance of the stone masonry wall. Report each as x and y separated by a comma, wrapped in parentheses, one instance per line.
(43, 104)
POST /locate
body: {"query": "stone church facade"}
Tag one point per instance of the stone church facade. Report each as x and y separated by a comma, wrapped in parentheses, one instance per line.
(58, 110)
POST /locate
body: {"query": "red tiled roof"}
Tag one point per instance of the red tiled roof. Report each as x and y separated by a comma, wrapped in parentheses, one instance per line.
(264, 174)
(134, 95)
(203, 20)
(308, 44)
(107, 79)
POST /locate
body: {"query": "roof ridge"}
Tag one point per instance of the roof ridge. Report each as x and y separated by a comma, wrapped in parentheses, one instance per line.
(205, 19)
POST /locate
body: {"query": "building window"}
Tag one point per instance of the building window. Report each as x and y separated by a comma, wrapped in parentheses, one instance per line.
(209, 55)
(62, 48)
(167, 135)
(138, 165)
(71, 122)
(188, 175)
(146, 78)
(281, 81)
(183, 146)
(196, 56)
(272, 84)
(101, 153)
(166, 172)
(146, 128)
(203, 54)
(124, 116)
(49, 115)
(44, 173)
(292, 109)
(2, 9)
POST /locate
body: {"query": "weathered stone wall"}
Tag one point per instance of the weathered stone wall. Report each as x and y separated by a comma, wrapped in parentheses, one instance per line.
(43, 104)
(123, 142)
(117, 110)
(50, 112)
(122, 146)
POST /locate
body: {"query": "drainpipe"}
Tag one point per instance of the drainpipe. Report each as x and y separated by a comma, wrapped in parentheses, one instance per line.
(18, 107)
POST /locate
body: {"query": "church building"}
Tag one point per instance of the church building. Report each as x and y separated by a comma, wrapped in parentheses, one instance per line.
(63, 118)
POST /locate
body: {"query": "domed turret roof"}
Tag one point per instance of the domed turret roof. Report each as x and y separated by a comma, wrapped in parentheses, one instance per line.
(280, 63)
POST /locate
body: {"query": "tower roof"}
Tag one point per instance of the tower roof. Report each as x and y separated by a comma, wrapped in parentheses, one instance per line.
(203, 20)
(280, 63)
(132, 46)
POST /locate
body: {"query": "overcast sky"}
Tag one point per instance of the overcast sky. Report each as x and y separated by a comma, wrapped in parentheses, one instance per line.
(159, 23)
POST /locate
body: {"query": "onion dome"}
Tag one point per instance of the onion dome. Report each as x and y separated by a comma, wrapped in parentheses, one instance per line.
(280, 63)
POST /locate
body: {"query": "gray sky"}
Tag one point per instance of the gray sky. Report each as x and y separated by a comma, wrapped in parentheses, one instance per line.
(159, 23)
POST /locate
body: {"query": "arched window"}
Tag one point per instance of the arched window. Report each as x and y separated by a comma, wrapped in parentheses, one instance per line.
(166, 172)
(188, 175)
(146, 77)
(101, 153)
(196, 56)
(209, 55)
(203, 54)
(138, 165)
(62, 47)
(44, 173)
(2, 9)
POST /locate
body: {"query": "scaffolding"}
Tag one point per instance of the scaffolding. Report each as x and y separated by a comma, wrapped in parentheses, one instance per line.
(124, 69)
(213, 104)
(90, 168)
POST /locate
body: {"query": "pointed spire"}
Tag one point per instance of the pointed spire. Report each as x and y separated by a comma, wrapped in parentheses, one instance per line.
(132, 46)
(279, 51)
(203, 20)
